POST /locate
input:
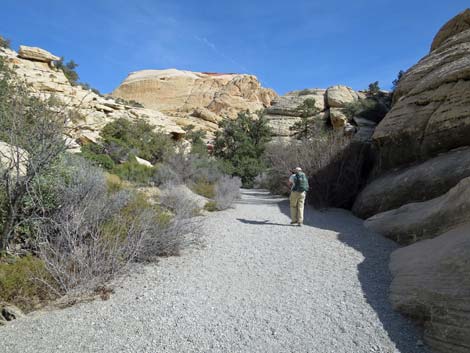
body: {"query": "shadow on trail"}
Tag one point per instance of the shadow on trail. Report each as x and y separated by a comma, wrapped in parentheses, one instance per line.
(266, 222)
(373, 272)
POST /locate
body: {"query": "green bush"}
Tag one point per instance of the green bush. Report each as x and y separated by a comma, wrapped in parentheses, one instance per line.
(34, 129)
(134, 172)
(374, 88)
(123, 138)
(240, 144)
(114, 183)
(309, 125)
(204, 188)
(371, 108)
(68, 70)
(211, 206)
(97, 155)
(305, 92)
(22, 282)
(5, 43)
(129, 102)
(196, 137)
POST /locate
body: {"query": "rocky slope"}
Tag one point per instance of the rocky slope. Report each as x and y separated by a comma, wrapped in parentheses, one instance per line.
(36, 67)
(422, 189)
(198, 98)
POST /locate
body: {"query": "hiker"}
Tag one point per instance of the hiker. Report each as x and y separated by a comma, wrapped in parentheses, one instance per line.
(299, 186)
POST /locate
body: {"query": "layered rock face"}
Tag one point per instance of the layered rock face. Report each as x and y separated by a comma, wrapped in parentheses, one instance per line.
(197, 98)
(432, 284)
(35, 66)
(431, 113)
(284, 112)
(423, 189)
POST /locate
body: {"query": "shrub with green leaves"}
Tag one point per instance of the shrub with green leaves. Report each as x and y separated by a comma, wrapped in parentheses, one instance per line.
(68, 70)
(371, 108)
(309, 125)
(123, 138)
(196, 137)
(23, 282)
(305, 92)
(374, 88)
(5, 43)
(240, 144)
(132, 171)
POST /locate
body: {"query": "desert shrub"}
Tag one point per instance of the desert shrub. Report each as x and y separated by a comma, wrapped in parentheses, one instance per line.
(123, 138)
(196, 138)
(206, 170)
(210, 206)
(164, 174)
(240, 144)
(114, 183)
(227, 190)
(134, 172)
(203, 188)
(34, 130)
(396, 81)
(129, 102)
(68, 70)
(5, 43)
(97, 155)
(87, 86)
(336, 168)
(24, 282)
(97, 233)
(371, 108)
(305, 92)
(184, 168)
(374, 88)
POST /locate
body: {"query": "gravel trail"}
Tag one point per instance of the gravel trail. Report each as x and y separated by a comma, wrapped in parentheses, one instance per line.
(258, 285)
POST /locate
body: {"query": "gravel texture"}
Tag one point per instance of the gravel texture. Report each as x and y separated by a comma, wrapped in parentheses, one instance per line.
(258, 285)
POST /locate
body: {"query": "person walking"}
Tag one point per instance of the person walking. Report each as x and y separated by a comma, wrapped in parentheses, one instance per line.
(298, 182)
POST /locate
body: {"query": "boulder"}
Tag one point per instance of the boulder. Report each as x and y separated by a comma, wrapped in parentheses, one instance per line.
(338, 96)
(34, 53)
(431, 283)
(9, 312)
(422, 220)
(431, 111)
(455, 26)
(10, 156)
(417, 183)
(338, 119)
(281, 124)
(206, 114)
(144, 162)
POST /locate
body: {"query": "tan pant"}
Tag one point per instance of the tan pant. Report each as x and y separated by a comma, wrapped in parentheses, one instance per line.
(297, 201)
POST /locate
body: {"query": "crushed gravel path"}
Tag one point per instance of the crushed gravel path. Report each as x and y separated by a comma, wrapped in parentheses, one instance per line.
(258, 285)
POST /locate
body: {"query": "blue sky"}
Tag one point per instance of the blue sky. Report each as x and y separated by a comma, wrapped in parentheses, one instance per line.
(287, 44)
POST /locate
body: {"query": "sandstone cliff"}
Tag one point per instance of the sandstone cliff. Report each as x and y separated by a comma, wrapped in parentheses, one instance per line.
(330, 102)
(423, 186)
(36, 67)
(198, 98)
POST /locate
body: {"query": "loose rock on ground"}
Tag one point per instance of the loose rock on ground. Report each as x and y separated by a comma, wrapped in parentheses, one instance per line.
(257, 285)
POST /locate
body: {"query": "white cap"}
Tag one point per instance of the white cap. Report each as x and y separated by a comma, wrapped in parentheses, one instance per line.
(298, 168)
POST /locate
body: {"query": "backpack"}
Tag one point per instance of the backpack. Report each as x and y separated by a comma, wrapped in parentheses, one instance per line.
(300, 182)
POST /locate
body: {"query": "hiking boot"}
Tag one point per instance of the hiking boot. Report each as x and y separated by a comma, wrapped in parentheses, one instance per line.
(293, 223)
(299, 224)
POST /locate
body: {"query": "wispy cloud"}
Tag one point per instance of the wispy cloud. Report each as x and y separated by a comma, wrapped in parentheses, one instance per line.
(221, 54)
